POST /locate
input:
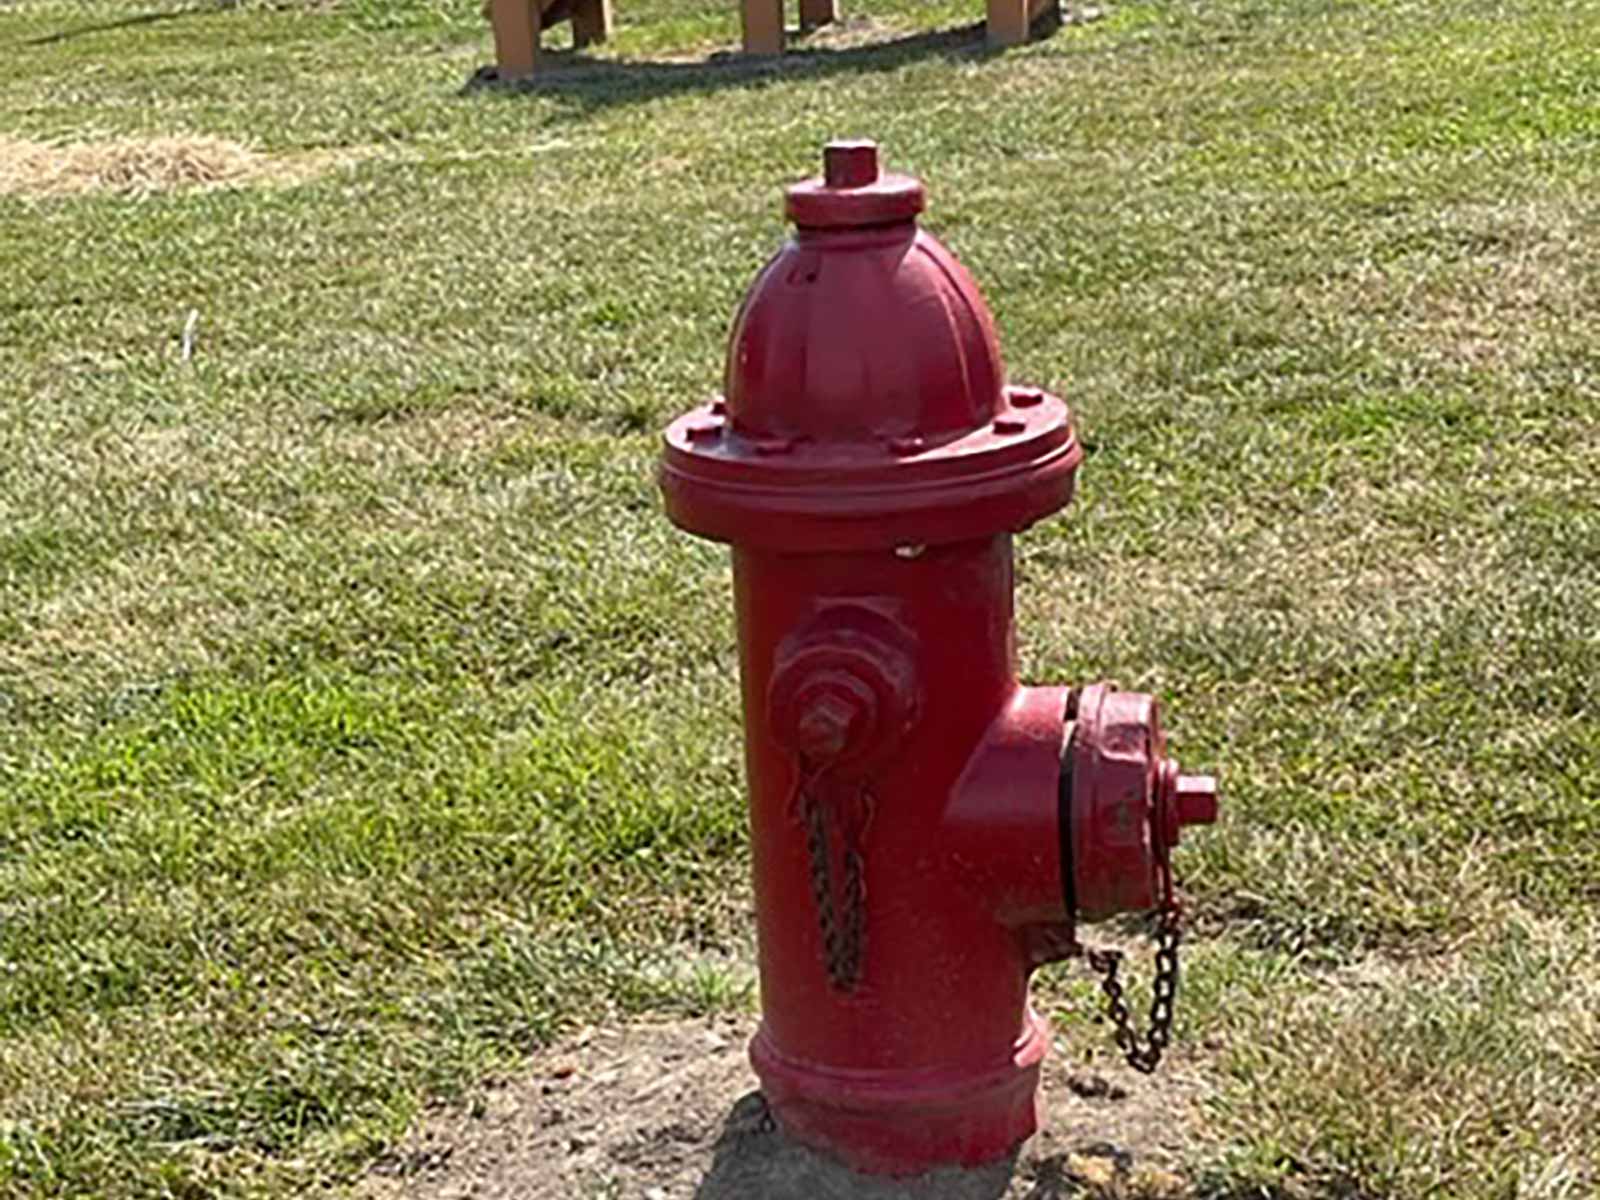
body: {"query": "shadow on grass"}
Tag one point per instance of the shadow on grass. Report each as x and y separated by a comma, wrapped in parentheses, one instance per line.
(590, 84)
(149, 18)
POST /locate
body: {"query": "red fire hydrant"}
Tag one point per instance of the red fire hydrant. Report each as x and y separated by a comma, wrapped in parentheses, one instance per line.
(926, 830)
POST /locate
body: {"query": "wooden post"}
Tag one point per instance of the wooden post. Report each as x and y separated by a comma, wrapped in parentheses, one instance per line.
(1011, 21)
(1008, 22)
(516, 36)
(763, 26)
(814, 13)
(591, 22)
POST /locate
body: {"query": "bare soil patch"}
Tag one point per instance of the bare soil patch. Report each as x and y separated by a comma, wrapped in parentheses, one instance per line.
(671, 1112)
(138, 165)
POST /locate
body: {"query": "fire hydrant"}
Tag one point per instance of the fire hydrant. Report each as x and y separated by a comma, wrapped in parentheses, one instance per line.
(925, 829)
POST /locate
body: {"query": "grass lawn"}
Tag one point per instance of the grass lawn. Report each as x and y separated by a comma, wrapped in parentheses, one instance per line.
(363, 724)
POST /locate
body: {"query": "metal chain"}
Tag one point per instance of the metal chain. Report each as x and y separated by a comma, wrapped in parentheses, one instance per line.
(853, 943)
(822, 883)
(1144, 1056)
(843, 942)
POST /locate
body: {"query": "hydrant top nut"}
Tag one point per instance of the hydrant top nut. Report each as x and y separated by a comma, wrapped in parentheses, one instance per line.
(853, 192)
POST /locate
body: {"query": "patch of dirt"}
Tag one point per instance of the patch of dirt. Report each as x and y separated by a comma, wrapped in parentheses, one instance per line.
(670, 1112)
(138, 165)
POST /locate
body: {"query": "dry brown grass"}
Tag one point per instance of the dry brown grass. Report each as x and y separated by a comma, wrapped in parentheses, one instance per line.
(135, 166)
(1357, 1047)
(1513, 290)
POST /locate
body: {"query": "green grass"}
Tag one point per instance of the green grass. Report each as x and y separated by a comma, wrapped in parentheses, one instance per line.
(365, 724)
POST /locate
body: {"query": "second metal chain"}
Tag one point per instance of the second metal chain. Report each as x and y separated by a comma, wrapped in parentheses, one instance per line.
(1144, 1055)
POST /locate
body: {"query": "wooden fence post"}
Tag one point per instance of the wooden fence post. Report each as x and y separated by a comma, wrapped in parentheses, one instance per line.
(516, 36)
(763, 26)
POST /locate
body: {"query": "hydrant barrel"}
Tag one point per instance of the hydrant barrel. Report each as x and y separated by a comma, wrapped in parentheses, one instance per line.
(913, 807)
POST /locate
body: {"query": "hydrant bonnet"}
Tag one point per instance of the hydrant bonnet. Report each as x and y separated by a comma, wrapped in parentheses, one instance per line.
(865, 405)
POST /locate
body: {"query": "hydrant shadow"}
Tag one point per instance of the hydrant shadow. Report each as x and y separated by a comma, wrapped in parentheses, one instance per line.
(753, 1158)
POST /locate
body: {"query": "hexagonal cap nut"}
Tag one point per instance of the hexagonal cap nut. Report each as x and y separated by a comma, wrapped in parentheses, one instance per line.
(1194, 799)
(826, 726)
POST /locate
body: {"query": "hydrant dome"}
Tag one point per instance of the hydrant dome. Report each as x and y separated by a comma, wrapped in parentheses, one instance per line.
(886, 337)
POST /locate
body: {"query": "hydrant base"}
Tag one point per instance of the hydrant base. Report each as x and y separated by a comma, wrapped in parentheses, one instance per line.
(908, 1122)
